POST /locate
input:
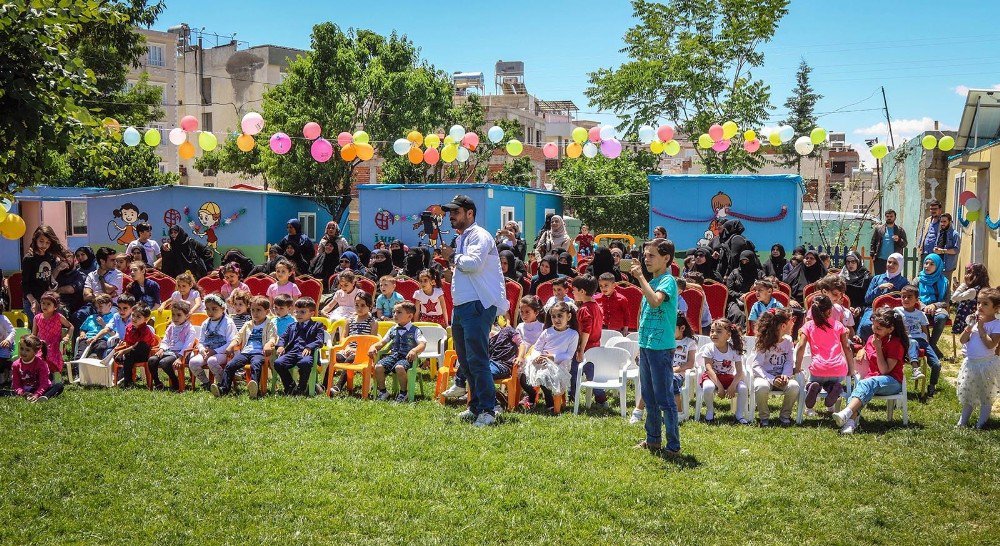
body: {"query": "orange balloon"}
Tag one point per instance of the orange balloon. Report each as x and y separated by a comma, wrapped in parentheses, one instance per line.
(348, 153)
(415, 155)
(186, 150)
(365, 151)
(574, 150)
(245, 143)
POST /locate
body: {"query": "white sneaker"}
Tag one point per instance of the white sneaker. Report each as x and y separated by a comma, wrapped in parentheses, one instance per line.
(44, 398)
(636, 418)
(811, 413)
(253, 389)
(216, 392)
(454, 392)
(484, 420)
(467, 415)
(841, 417)
(917, 374)
(848, 427)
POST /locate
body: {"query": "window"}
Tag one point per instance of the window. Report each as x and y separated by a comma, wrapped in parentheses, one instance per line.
(838, 167)
(959, 188)
(308, 221)
(506, 215)
(859, 208)
(206, 122)
(155, 56)
(76, 218)
(206, 90)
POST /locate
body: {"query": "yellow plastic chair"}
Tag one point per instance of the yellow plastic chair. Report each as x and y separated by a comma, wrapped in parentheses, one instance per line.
(361, 363)
(161, 319)
(383, 327)
(17, 318)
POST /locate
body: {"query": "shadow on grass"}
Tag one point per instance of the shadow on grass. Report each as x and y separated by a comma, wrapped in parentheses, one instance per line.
(683, 461)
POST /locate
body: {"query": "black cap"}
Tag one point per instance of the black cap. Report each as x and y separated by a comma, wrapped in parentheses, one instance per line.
(460, 201)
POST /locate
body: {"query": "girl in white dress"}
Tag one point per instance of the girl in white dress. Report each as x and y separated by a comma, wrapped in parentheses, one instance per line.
(548, 362)
(979, 378)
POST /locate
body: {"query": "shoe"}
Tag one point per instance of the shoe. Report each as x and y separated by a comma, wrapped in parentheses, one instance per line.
(454, 392)
(636, 417)
(216, 391)
(335, 390)
(253, 389)
(383, 396)
(841, 417)
(811, 413)
(467, 415)
(743, 420)
(646, 445)
(848, 427)
(44, 398)
(785, 421)
(497, 409)
(484, 420)
(917, 374)
(526, 404)
(931, 391)
(400, 398)
(710, 417)
(206, 387)
(765, 423)
(319, 389)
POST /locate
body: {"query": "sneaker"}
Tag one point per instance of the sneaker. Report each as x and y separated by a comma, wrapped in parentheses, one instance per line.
(526, 404)
(484, 420)
(253, 389)
(636, 417)
(841, 417)
(467, 415)
(743, 420)
(206, 386)
(848, 427)
(383, 396)
(497, 409)
(216, 391)
(765, 423)
(44, 398)
(710, 417)
(785, 421)
(319, 389)
(811, 413)
(400, 398)
(917, 374)
(335, 390)
(454, 392)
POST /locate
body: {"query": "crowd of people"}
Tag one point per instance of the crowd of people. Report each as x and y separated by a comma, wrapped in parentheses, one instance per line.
(829, 339)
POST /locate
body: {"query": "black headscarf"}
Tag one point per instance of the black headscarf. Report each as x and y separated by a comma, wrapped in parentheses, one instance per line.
(303, 245)
(539, 278)
(741, 280)
(90, 264)
(546, 226)
(514, 267)
(802, 275)
(237, 256)
(414, 262)
(603, 262)
(324, 265)
(185, 254)
(398, 254)
(707, 269)
(775, 266)
(730, 252)
(363, 252)
(383, 268)
(857, 280)
(567, 267)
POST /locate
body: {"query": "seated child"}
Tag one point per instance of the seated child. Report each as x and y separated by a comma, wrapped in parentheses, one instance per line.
(835, 286)
(502, 349)
(405, 343)
(548, 362)
(257, 338)
(585, 242)
(6, 350)
(361, 324)
(917, 327)
(590, 319)
(764, 289)
(559, 289)
(135, 346)
(430, 300)
(30, 373)
(283, 313)
(297, 345)
(186, 291)
(89, 342)
(178, 337)
(231, 274)
(832, 357)
(213, 344)
(387, 298)
(614, 305)
(773, 364)
(723, 371)
(342, 304)
(238, 306)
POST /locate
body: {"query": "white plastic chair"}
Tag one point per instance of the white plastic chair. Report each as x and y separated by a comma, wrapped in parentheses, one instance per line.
(632, 370)
(610, 364)
(608, 335)
(848, 384)
(892, 400)
(634, 336)
(703, 340)
(751, 358)
(437, 339)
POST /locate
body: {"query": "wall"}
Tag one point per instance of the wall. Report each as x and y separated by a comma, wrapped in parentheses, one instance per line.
(981, 170)
(907, 172)
(281, 208)
(688, 199)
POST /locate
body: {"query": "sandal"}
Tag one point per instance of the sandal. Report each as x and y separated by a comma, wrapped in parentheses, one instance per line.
(646, 445)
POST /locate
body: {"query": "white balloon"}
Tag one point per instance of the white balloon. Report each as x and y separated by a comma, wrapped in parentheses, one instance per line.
(590, 150)
(646, 134)
(131, 136)
(803, 145)
(495, 134)
(177, 136)
(463, 154)
(785, 133)
(401, 146)
(608, 132)
(457, 132)
(973, 204)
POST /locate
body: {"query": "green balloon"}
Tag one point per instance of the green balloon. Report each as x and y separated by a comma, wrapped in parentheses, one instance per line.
(946, 144)
(152, 138)
(817, 136)
(972, 215)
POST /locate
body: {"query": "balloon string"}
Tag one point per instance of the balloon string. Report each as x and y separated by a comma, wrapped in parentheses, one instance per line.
(747, 217)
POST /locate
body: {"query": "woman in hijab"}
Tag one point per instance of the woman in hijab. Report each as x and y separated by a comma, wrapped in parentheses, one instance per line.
(267, 268)
(414, 262)
(890, 281)
(85, 259)
(857, 278)
(324, 265)
(933, 286)
(398, 254)
(236, 255)
(566, 265)
(705, 264)
(603, 262)
(349, 261)
(546, 226)
(303, 245)
(775, 266)
(182, 253)
(298, 260)
(553, 239)
(797, 251)
(806, 273)
(512, 270)
(380, 265)
(739, 282)
(548, 269)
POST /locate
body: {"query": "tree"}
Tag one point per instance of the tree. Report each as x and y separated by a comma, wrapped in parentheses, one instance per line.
(518, 172)
(801, 105)
(691, 61)
(610, 193)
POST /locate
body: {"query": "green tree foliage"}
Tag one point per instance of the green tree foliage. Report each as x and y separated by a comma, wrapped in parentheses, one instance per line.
(691, 61)
(622, 187)
(801, 105)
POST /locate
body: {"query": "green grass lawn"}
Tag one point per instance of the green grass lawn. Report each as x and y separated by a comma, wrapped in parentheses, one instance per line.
(106, 466)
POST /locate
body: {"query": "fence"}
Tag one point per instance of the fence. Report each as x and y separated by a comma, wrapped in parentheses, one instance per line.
(911, 258)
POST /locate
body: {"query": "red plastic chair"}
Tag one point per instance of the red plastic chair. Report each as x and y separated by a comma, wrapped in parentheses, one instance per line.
(750, 298)
(694, 299)
(584, 264)
(533, 268)
(208, 285)
(167, 286)
(634, 297)
(844, 300)
(544, 291)
(513, 298)
(407, 288)
(808, 289)
(448, 303)
(310, 286)
(16, 292)
(364, 283)
(891, 299)
(716, 294)
(675, 270)
(783, 287)
(259, 283)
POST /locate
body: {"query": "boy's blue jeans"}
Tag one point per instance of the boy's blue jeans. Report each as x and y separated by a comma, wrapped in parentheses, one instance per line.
(470, 328)
(656, 375)
(933, 361)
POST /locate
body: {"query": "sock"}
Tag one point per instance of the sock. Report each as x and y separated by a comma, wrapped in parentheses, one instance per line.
(984, 414)
(963, 420)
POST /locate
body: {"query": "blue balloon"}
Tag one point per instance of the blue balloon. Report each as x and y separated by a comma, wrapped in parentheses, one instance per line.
(131, 137)
(495, 134)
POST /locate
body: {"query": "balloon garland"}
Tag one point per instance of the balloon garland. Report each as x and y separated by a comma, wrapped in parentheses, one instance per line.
(759, 219)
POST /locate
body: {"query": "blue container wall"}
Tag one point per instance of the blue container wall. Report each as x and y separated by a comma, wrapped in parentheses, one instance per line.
(10, 251)
(281, 208)
(491, 217)
(687, 206)
(405, 202)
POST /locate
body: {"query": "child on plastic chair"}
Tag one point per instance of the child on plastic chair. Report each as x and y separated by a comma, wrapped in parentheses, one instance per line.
(362, 323)
(548, 362)
(405, 343)
(917, 327)
(135, 346)
(773, 364)
(256, 338)
(178, 337)
(723, 372)
(297, 345)
(30, 372)
(213, 345)
(832, 357)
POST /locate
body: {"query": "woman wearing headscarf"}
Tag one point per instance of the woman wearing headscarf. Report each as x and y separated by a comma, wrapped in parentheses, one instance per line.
(806, 273)
(797, 251)
(303, 245)
(705, 264)
(774, 267)
(566, 265)
(267, 268)
(603, 262)
(731, 251)
(857, 278)
(380, 265)
(546, 225)
(548, 269)
(414, 262)
(512, 269)
(555, 239)
(363, 252)
(890, 281)
(349, 261)
(236, 255)
(298, 260)
(324, 265)
(182, 253)
(398, 254)
(739, 282)
(510, 235)
(85, 259)
(933, 286)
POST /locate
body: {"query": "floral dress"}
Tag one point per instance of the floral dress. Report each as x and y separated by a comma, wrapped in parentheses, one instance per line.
(50, 332)
(964, 309)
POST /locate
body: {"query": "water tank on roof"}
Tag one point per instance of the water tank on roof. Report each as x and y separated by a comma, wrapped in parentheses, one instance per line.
(467, 80)
(510, 68)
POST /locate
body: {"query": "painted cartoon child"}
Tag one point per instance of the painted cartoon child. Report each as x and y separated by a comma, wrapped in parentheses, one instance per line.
(210, 214)
(721, 203)
(129, 213)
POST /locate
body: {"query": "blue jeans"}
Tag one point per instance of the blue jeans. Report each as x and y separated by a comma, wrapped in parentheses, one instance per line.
(932, 358)
(882, 385)
(496, 370)
(936, 330)
(470, 328)
(656, 375)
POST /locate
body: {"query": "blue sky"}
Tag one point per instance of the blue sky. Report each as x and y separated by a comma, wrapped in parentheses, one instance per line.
(925, 53)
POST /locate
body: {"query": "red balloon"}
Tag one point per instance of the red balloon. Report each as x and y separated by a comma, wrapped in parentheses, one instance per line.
(965, 196)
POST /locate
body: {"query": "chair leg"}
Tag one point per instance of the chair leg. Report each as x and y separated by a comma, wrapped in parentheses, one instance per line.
(906, 413)
(889, 406)
(621, 398)
(576, 400)
(366, 384)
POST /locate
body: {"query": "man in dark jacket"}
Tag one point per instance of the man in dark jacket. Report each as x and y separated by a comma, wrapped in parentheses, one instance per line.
(887, 239)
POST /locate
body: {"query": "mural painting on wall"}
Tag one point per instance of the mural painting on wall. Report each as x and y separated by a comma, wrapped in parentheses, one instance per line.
(426, 223)
(210, 218)
(130, 215)
(721, 212)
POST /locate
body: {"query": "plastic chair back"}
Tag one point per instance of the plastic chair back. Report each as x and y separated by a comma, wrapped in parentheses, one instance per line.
(407, 288)
(808, 289)
(514, 292)
(634, 297)
(167, 285)
(383, 327)
(608, 362)
(207, 285)
(310, 287)
(785, 289)
(891, 300)
(197, 319)
(17, 318)
(544, 291)
(844, 300)
(608, 335)
(258, 284)
(364, 283)
(716, 294)
(436, 336)
(634, 336)
(625, 343)
(695, 300)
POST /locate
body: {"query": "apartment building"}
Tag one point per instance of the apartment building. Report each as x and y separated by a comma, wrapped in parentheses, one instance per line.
(160, 63)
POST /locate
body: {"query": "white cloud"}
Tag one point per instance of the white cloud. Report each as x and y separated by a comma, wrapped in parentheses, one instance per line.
(904, 128)
(963, 90)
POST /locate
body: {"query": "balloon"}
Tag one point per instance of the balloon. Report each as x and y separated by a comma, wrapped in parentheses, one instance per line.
(349, 152)
(929, 142)
(946, 144)
(365, 151)
(656, 147)
(514, 147)
(456, 132)
(785, 132)
(112, 125)
(12, 227)
(590, 150)
(463, 154)
(321, 150)
(280, 143)
(751, 146)
(804, 145)
(611, 148)
(973, 204)
(607, 132)
(594, 134)
(415, 137)
(5, 204)
(574, 149)
(151, 138)
(715, 132)
(672, 148)
(879, 150)
(774, 138)
(312, 131)
(749, 135)
(495, 134)
(646, 134)
(448, 141)
(965, 196)
(729, 129)
(721, 145)
(208, 142)
(431, 141)
(252, 123)
(245, 143)
(972, 215)
(470, 141)
(431, 156)
(550, 150)
(131, 136)
(705, 141)
(176, 136)
(449, 153)
(665, 133)
(189, 124)
(817, 136)
(402, 146)
(185, 150)
(361, 137)
(344, 138)
(579, 135)
(415, 155)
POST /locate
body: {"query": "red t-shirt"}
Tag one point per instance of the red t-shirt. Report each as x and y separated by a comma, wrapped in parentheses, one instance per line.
(584, 240)
(615, 310)
(892, 348)
(591, 321)
(144, 334)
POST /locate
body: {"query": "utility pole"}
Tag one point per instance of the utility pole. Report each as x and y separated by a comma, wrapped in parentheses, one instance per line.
(885, 103)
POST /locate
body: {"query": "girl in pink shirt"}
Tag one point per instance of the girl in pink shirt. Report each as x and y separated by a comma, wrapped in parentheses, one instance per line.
(286, 281)
(48, 326)
(832, 358)
(231, 274)
(30, 372)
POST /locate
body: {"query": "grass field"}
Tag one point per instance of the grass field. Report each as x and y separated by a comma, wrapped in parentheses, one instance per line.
(110, 467)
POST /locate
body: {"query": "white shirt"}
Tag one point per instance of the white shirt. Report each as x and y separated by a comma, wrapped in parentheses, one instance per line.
(722, 362)
(777, 360)
(113, 277)
(975, 348)
(150, 247)
(477, 271)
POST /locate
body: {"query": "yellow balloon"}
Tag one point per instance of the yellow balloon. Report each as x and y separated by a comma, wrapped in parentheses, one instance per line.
(705, 142)
(946, 144)
(514, 147)
(749, 135)
(365, 151)
(579, 135)
(12, 227)
(449, 153)
(574, 149)
(432, 140)
(879, 150)
(672, 148)
(448, 140)
(729, 129)
(415, 137)
(361, 137)
(207, 141)
(245, 143)
(774, 139)
(656, 147)
(185, 150)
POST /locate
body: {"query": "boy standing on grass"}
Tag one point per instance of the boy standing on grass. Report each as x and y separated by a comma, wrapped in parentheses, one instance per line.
(591, 319)
(406, 342)
(296, 347)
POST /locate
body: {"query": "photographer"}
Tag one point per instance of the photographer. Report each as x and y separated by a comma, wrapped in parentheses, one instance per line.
(509, 235)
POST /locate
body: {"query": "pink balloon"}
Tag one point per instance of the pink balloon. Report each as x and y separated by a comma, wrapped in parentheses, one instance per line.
(715, 131)
(280, 143)
(321, 150)
(665, 133)
(189, 124)
(550, 150)
(344, 138)
(594, 134)
(311, 130)
(470, 141)
(721, 146)
(611, 148)
(751, 146)
(431, 156)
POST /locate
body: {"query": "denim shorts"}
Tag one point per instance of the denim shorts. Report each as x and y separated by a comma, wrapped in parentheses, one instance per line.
(678, 382)
(390, 361)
